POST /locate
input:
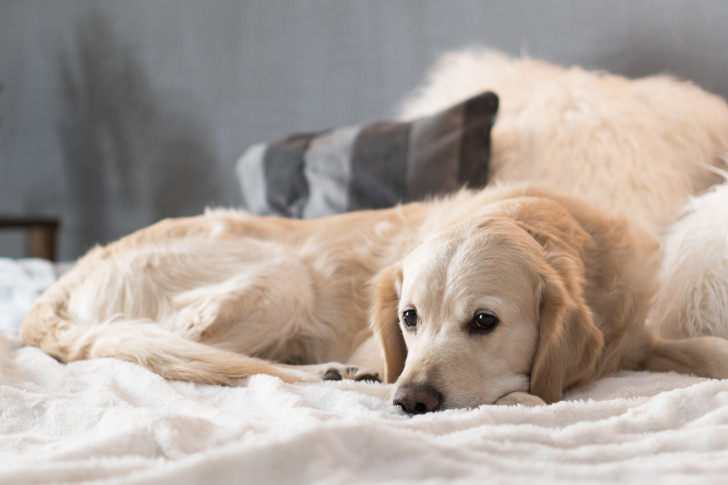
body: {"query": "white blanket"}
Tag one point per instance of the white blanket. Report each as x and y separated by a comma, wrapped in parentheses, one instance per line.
(115, 422)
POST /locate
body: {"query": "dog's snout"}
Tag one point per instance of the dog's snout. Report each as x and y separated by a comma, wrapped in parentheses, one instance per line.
(417, 398)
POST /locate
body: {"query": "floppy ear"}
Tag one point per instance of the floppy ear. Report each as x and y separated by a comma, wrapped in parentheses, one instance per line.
(569, 342)
(385, 322)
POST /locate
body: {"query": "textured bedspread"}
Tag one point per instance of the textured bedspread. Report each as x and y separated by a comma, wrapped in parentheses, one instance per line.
(115, 422)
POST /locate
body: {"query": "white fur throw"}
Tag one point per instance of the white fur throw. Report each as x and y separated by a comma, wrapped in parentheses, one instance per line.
(113, 422)
(638, 147)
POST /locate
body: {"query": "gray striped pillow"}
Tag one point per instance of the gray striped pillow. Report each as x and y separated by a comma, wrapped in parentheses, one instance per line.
(370, 166)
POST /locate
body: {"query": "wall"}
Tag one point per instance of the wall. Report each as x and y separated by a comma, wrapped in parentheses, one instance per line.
(115, 114)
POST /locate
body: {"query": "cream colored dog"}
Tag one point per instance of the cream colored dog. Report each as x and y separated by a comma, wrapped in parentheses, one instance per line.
(635, 147)
(507, 295)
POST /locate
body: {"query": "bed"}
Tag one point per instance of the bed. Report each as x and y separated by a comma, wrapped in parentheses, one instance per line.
(110, 421)
(115, 422)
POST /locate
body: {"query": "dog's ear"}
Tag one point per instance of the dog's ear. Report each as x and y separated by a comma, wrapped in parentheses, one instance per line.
(385, 322)
(569, 342)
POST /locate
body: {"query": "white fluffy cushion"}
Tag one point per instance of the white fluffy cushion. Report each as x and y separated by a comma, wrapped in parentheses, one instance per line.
(637, 147)
(692, 298)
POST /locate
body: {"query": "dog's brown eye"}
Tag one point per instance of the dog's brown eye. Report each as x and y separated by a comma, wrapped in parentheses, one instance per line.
(410, 319)
(484, 322)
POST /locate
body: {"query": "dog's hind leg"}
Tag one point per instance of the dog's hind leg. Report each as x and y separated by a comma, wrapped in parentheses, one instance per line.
(702, 356)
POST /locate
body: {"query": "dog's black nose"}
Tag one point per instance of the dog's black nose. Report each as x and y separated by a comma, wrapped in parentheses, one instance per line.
(417, 398)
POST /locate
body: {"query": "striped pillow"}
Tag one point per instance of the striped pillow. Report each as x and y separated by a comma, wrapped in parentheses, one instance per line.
(370, 166)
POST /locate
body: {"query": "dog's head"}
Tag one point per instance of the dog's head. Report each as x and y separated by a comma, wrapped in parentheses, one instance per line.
(485, 309)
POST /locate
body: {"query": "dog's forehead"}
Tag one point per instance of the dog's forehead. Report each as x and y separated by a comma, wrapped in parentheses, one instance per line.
(464, 257)
(432, 258)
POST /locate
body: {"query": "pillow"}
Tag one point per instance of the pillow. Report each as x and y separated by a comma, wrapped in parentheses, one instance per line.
(370, 166)
(634, 147)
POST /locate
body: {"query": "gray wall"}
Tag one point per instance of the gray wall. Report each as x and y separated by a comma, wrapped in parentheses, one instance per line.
(115, 114)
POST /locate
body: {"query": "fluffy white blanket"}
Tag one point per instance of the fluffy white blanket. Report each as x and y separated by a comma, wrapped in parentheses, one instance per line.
(115, 422)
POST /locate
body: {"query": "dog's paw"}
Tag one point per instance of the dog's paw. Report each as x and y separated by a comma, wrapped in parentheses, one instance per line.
(337, 372)
(522, 398)
(332, 371)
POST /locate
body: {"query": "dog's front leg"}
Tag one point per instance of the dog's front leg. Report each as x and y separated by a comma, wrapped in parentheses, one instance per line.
(332, 371)
(519, 397)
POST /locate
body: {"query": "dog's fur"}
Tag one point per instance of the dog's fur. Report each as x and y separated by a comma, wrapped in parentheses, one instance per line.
(692, 297)
(636, 147)
(227, 295)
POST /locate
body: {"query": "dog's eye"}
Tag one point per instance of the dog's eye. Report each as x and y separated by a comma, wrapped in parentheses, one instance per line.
(410, 319)
(484, 322)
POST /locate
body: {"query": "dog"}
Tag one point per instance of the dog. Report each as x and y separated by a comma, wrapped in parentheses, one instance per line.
(693, 279)
(636, 147)
(508, 295)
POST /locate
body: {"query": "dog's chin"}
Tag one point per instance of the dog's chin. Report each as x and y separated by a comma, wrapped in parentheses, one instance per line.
(455, 399)
(454, 403)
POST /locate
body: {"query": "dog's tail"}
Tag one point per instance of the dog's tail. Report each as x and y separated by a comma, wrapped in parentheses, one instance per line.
(49, 326)
(702, 356)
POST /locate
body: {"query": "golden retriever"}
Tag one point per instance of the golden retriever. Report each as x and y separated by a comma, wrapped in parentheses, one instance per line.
(506, 295)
